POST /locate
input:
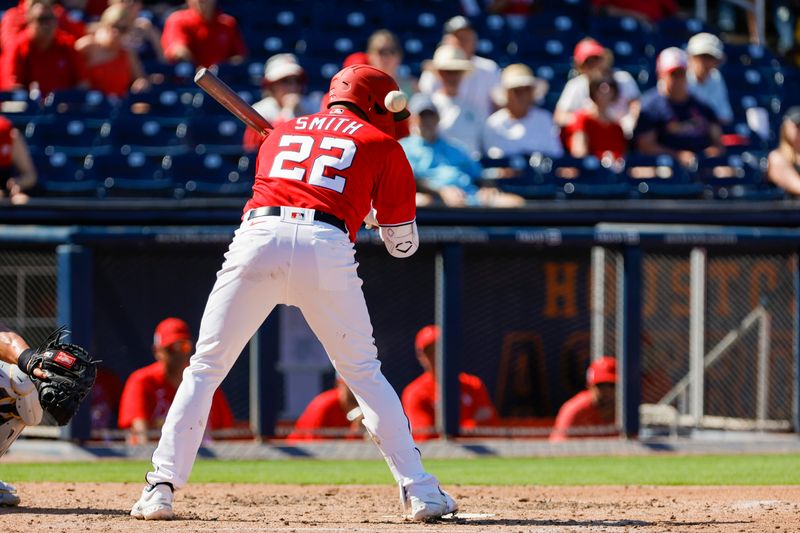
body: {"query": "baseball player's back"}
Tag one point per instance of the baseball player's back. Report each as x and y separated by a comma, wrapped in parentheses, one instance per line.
(316, 179)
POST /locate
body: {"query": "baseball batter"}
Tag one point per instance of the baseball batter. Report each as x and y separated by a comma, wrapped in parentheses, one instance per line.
(19, 402)
(317, 178)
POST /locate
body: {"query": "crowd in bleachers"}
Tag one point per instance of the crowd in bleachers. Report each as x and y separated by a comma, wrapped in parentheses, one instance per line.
(550, 99)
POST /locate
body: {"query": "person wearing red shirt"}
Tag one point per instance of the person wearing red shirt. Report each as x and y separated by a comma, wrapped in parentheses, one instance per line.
(648, 11)
(420, 396)
(202, 35)
(335, 409)
(17, 171)
(593, 130)
(14, 21)
(317, 178)
(590, 413)
(150, 391)
(43, 56)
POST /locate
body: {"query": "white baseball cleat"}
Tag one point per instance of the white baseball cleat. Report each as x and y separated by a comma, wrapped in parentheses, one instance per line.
(8, 495)
(155, 503)
(427, 502)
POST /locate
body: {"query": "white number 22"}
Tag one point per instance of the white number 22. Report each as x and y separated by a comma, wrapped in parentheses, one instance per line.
(304, 145)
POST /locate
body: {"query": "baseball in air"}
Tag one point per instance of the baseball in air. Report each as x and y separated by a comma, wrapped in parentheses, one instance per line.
(395, 101)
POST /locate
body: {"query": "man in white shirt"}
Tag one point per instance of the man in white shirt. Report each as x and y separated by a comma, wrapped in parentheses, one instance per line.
(477, 85)
(460, 120)
(520, 128)
(706, 53)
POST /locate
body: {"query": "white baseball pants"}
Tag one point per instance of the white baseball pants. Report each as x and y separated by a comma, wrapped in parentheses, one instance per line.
(290, 260)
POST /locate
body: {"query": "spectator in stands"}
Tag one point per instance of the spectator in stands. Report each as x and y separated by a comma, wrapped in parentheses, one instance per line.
(672, 121)
(593, 61)
(519, 127)
(385, 53)
(15, 20)
(142, 37)
(705, 81)
(783, 167)
(331, 414)
(43, 57)
(17, 172)
(420, 396)
(590, 413)
(111, 68)
(106, 393)
(444, 171)
(594, 131)
(149, 391)
(479, 80)
(203, 35)
(283, 98)
(646, 11)
(460, 120)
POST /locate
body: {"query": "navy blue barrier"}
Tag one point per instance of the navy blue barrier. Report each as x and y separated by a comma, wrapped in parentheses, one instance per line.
(500, 293)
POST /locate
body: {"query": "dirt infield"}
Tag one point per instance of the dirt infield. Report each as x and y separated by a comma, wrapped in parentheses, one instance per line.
(103, 507)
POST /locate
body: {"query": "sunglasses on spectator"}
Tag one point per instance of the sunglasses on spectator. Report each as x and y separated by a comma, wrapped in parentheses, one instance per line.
(290, 80)
(388, 51)
(182, 346)
(44, 19)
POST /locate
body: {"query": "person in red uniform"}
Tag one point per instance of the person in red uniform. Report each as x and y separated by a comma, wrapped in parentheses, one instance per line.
(590, 413)
(334, 409)
(17, 171)
(111, 68)
(14, 21)
(318, 177)
(202, 35)
(420, 396)
(150, 391)
(43, 56)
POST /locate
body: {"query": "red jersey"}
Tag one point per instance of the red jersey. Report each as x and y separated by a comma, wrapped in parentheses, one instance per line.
(579, 411)
(338, 163)
(6, 143)
(210, 41)
(655, 10)
(14, 22)
(57, 67)
(148, 394)
(324, 412)
(112, 77)
(601, 136)
(420, 397)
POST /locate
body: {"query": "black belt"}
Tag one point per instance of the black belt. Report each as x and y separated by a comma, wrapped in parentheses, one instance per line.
(321, 216)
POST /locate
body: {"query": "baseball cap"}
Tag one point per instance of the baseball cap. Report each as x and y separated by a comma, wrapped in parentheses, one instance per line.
(169, 331)
(457, 23)
(603, 370)
(793, 114)
(448, 57)
(282, 66)
(670, 59)
(426, 336)
(422, 102)
(705, 44)
(587, 48)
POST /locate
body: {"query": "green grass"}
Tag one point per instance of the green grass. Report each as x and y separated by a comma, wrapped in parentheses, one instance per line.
(638, 470)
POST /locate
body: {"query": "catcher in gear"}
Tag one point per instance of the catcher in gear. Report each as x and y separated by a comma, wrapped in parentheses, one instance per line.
(53, 378)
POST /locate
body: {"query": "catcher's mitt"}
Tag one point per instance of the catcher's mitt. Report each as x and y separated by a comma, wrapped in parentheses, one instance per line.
(70, 375)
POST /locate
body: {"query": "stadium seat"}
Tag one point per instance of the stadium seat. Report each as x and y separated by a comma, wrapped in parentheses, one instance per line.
(239, 75)
(680, 29)
(168, 106)
(71, 137)
(136, 174)
(211, 168)
(515, 175)
(660, 177)
(737, 176)
(223, 136)
(18, 107)
(582, 177)
(141, 133)
(750, 55)
(60, 175)
(89, 106)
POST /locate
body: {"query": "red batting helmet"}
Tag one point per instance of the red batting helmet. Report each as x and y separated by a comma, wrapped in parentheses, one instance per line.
(366, 87)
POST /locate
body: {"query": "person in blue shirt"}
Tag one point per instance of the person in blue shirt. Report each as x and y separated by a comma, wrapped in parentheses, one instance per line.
(444, 171)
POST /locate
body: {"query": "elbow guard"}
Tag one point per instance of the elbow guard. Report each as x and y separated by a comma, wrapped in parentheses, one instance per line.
(402, 240)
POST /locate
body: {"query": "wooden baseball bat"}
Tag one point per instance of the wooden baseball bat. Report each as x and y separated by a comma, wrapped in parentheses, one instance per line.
(227, 97)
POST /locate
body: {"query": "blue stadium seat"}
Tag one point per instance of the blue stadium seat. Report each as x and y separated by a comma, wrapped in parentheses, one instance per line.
(526, 48)
(71, 136)
(205, 106)
(515, 175)
(751, 55)
(89, 106)
(605, 27)
(60, 175)
(223, 136)
(168, 106)
(660, 177)
(141, 133)
(583, 177)
(737, 177)
(264, 43)
(681, 29)
(136, 174)
(238, 76)
(18, 107)
(210, 168)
